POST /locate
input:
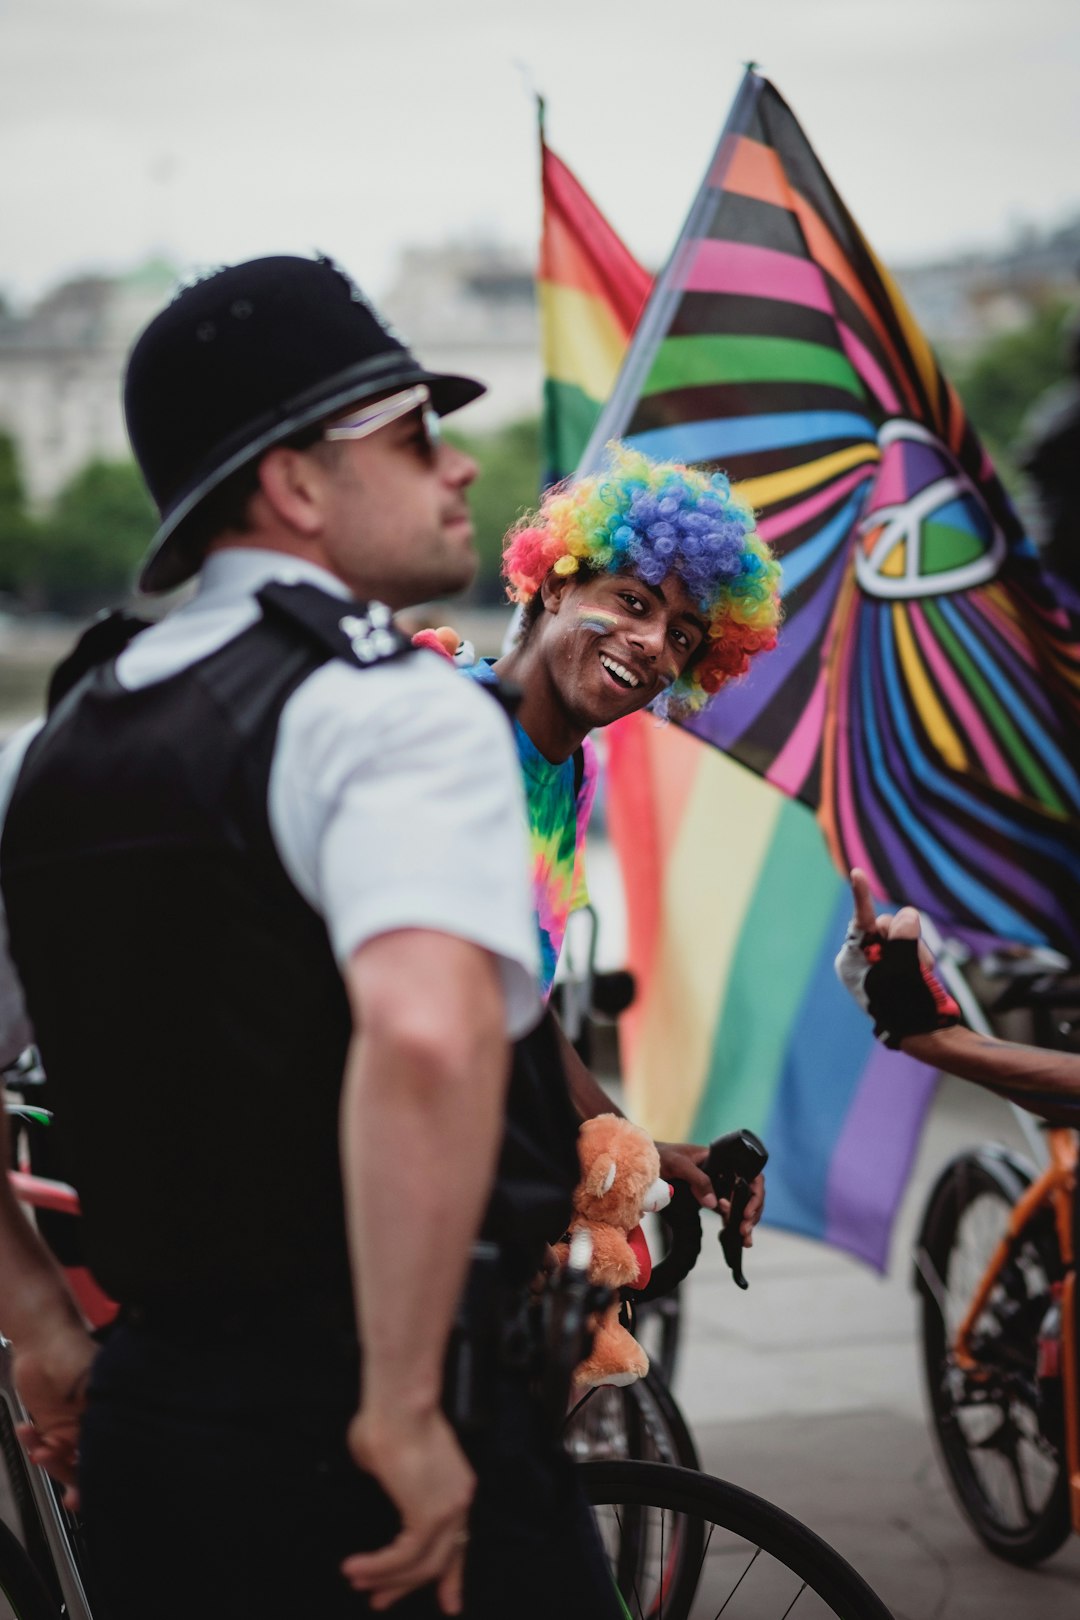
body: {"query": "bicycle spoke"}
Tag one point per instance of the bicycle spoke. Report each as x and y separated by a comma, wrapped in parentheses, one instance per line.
(705, 1554)
(738, 1583)
(793, 1602)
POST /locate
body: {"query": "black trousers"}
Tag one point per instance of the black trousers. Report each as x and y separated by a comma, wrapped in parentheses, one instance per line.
(216, 1486)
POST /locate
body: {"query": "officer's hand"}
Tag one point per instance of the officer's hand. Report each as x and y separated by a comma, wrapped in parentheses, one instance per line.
(682, 1161)
(419, 1464)
(51, 1377)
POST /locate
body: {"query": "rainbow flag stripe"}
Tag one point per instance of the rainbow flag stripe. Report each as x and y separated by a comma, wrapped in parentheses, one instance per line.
(591, 291)
(742, 1022)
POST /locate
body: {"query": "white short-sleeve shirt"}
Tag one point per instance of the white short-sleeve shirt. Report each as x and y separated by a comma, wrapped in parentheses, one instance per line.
(395, 797)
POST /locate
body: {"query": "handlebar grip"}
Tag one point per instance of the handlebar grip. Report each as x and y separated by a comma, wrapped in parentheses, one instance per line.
(682, 1217)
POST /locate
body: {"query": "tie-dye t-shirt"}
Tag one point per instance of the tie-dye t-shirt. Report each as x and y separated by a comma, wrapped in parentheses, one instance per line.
(558, 818)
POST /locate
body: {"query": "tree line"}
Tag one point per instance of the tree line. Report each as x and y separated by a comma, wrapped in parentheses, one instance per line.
(82, 554)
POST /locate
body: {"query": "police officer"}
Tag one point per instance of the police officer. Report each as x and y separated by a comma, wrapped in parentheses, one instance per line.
(269, 925)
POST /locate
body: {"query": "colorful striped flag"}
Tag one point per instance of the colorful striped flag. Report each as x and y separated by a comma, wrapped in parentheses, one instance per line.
(735, 913)
(714, 918)
(925, 697)
(591, 292)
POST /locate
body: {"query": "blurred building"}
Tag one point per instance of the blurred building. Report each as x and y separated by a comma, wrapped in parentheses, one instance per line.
(472, 309)
(464, 307)
(962, 302)
(60, 371)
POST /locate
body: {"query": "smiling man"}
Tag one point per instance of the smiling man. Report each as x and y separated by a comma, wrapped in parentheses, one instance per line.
(646, 584)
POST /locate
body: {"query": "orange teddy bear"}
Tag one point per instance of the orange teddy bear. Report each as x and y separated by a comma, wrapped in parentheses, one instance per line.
(620, 1182)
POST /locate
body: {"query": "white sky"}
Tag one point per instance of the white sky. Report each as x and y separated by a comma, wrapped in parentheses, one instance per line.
(213, 130)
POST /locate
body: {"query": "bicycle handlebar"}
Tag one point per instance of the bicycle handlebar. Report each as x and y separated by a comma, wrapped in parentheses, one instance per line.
(732, 1164)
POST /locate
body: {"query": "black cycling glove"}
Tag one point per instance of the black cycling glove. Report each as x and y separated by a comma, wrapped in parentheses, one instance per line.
(902, 995)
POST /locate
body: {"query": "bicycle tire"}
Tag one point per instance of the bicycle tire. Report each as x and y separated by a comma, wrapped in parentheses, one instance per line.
(20, 1584)
(726, 1551)
(641, 1420)
(1000, 1437)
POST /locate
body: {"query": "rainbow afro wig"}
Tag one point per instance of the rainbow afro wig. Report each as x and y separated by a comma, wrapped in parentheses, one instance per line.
(654, 518)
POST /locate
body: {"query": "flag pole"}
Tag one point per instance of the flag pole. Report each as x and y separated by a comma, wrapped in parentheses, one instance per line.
(656, 315)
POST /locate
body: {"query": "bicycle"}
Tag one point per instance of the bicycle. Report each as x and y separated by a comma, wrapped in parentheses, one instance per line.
(681, 1544)
(995, 1267)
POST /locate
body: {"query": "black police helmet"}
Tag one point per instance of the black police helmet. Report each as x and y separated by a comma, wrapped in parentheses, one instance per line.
(240, 361)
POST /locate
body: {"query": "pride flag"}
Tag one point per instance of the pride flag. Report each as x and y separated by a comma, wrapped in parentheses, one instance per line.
(925, 696)
(923, 700)
(739, 1019)
(591, 291)
(735, 913)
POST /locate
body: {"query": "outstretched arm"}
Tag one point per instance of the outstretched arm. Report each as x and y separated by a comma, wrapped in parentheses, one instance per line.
(887, 966)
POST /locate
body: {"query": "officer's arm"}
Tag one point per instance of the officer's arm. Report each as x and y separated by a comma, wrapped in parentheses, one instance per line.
(53, 1350)
(421, 1125)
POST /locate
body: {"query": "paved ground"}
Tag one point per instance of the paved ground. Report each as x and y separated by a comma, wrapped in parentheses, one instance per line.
(806, 1389)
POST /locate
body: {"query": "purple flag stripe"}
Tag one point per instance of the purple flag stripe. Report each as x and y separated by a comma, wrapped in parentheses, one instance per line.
(871, 1160)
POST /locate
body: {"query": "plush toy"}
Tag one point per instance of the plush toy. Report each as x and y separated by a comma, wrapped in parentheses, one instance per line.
(620, 1182)
(447, 643)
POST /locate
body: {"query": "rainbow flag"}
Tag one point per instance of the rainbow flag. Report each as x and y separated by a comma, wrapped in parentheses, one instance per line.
(591, 291)
(735, 913)
(925, 696)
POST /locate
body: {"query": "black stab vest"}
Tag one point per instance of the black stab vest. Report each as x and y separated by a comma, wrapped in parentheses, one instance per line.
(191, 1017)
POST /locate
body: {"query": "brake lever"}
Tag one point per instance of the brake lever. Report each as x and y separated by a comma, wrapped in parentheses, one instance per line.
(733, 1162)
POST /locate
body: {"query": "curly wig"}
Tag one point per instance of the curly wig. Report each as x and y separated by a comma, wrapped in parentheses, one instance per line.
(653, 518)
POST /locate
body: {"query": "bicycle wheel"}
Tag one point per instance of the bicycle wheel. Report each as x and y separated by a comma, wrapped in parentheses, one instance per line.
(22, 1593)
(641, 1420)
(1001, 1436)
(685, 1546)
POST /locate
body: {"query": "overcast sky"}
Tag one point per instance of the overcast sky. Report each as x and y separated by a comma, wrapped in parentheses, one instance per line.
(211, 130)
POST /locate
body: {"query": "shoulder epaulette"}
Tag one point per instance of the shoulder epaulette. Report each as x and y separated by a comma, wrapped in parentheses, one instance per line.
(361, 633)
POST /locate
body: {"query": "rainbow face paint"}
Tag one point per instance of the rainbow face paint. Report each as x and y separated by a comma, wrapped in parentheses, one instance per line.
(596, 620)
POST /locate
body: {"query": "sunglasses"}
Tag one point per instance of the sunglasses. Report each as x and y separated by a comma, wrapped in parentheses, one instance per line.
(385, 411)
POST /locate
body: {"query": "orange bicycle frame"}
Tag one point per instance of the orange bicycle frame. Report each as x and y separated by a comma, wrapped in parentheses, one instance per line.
(1056, 1187)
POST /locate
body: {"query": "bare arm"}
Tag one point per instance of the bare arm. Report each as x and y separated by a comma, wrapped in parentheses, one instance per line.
(679, 1161)
(1047, 1082)
(421, 1125)
(53, 1350)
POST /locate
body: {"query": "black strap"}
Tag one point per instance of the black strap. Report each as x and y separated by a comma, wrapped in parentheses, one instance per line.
(106, 638)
